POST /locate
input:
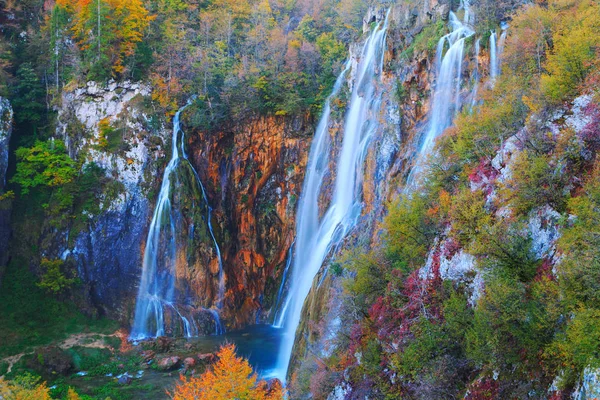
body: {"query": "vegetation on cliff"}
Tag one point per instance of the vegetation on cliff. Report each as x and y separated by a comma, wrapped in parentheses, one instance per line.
(535, 322)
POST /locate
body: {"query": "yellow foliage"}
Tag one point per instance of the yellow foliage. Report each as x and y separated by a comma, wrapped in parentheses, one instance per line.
(231, 377)
(14, 391)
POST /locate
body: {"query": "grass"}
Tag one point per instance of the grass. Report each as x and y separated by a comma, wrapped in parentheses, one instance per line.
(30, 317)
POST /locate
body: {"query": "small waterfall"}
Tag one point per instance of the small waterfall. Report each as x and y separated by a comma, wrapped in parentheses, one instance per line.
(496, 49)
(475, 89)
(494, 66)
(446, 101)
(316, 237)
(157, 291)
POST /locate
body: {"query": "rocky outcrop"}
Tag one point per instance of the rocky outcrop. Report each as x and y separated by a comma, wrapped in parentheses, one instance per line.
(114, 128)
(6, 121)
(253, 174)
(589, 387)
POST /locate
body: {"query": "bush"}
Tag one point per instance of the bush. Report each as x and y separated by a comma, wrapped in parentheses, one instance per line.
(46, 164)
(536, 181)
(53, 279)
(575, 52)
(409, 231)
(580, 266)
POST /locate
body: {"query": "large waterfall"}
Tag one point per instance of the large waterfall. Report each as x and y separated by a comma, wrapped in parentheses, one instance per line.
(446, 101)
(315, 236)
(181, 205)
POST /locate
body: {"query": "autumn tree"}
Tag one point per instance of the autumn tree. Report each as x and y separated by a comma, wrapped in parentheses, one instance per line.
(107, 32)
(24, 387)
(231, 377)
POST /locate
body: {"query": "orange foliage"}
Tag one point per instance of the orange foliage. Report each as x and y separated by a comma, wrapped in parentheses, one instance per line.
(231, 377)
(125, 22)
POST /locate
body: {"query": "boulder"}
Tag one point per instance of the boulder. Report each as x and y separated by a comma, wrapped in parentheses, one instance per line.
(163, 344)
(207, 358)
(52, 360)
(168, 363)
(148, 355)
(124, 379)
(189, 363)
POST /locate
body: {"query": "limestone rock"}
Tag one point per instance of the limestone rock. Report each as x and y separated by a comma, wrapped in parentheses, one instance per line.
(168, 363)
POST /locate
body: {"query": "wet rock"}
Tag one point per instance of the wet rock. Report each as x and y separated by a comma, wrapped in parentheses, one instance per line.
(148, 355)
(6, 117)
(163, 344)
(124, 379)
(189, 363)
(168, 363)
(52, 360)
(207, 358)
(253, 173)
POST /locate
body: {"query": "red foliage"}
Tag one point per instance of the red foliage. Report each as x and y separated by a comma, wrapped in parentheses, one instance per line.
(451, 247)
(483, 389)
(484, 175)
(544, 271)
(590, 134)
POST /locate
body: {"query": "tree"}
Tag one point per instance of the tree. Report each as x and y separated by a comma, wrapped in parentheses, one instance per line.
(24, 387)
(27, 95)
(45, 164)
(107, 32)
(53, 279)
(231, 377)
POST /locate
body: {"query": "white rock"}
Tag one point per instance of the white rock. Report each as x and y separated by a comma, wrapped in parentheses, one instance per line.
(589, 387)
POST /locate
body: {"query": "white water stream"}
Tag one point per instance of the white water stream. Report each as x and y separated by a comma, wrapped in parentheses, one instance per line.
(157, 292)
(315, 236)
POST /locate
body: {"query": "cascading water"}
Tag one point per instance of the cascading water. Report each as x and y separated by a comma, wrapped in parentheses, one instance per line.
(496, 49)
(475, 89)
(316, 237)
(446, 101)
(494, 65)
(157, 295)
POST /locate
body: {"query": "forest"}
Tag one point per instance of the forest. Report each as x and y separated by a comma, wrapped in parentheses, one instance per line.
(303, 199)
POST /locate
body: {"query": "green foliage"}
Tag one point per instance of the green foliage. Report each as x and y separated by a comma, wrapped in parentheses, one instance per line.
(478, 135)
(28, 93)
(45, 164)
(53, 279)
(369, 277)
(580, 267)
(578, 347)
(505, 250)
(535, 182)
(512, 327)
(574, 52)
(29, 317)
(468, 215)
(110, 138)
(409, 231)
(426, 41)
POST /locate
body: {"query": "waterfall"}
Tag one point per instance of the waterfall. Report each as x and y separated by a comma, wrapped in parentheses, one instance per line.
(446, 101)
(157, 297)
(475, 89)
(316, 237)
(281, 309)
(494, 66)
(496, 49)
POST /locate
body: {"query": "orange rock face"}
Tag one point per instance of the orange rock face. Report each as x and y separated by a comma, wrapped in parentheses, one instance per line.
(253, 174)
